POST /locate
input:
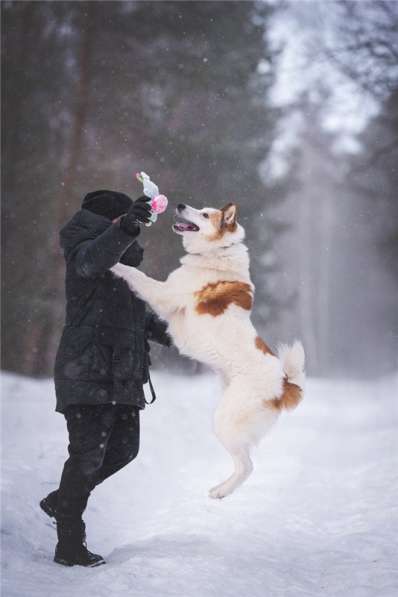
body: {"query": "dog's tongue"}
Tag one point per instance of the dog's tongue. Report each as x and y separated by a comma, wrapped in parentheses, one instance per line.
(183, 226)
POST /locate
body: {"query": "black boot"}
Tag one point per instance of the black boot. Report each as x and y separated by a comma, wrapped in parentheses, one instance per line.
(71, 549)
(49, 504)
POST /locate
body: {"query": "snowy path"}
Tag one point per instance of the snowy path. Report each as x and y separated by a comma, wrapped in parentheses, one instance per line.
(319, 516)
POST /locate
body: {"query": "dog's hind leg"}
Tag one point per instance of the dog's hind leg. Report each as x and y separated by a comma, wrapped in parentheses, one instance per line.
(243, 468)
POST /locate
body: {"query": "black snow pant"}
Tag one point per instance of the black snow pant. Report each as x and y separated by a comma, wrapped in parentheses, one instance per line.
(102, 440)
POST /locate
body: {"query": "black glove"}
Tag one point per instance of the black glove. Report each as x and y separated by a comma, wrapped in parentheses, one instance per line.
(133, 255)
(156, 329)
(140, 211)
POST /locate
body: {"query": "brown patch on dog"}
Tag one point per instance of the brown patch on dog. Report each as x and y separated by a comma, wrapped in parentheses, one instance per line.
(214, 298)
(224, 220)
(290, 398)
(261, 345)
(216, 220)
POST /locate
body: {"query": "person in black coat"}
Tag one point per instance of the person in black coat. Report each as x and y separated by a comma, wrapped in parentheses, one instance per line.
(102, 360)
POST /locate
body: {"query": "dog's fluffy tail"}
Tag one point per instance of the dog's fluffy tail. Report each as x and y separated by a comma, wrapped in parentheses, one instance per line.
(292, 359)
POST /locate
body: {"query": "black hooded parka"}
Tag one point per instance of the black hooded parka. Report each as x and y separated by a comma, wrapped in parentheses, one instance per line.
(103, 352)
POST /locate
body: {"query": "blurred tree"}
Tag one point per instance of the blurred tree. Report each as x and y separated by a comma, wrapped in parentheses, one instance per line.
(84, 22)
(368, 36)
(375, 176)
(366, 45)
(365, 49)
(346, 302)
(208, 80)
(34, 117)
(315, 212)
(96, 90)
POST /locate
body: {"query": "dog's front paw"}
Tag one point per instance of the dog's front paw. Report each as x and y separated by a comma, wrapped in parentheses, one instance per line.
(118, 270)
(123, 271)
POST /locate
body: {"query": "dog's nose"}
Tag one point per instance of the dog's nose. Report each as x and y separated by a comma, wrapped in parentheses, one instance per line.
(181, 206)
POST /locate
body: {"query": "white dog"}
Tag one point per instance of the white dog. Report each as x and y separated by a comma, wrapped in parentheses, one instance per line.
(207, 303)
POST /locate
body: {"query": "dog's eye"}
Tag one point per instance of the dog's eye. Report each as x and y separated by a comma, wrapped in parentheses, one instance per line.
(205, 214)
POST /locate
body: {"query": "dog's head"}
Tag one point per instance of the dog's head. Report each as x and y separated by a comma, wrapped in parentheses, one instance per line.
(205, 229)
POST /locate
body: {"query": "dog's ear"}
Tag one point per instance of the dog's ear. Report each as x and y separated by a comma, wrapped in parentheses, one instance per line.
(229, 215)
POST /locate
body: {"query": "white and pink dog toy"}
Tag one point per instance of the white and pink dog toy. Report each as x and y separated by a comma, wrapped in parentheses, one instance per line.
(157, 202)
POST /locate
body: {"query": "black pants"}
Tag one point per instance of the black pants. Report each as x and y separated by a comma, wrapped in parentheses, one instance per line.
(102, 440)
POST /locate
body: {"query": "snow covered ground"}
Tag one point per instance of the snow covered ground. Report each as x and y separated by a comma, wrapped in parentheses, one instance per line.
(319, 516)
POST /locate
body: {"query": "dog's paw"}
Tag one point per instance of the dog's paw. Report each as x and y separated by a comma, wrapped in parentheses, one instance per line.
(218, 492)
(117, 269)
(122, 271)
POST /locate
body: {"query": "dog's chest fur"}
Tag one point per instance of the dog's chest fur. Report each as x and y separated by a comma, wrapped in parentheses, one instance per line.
(216, 300)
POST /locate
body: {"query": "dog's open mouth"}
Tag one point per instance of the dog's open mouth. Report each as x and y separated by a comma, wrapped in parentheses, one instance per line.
(185, 226)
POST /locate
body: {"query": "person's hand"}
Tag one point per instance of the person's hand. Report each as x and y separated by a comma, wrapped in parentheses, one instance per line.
(139, 212)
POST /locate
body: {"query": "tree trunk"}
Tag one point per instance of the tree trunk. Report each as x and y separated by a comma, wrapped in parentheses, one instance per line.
(24, 21)
(306, 280)
(326, 222)
(80, 115)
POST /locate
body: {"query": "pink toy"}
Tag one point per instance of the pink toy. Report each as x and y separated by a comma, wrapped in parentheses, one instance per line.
(158, 202)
